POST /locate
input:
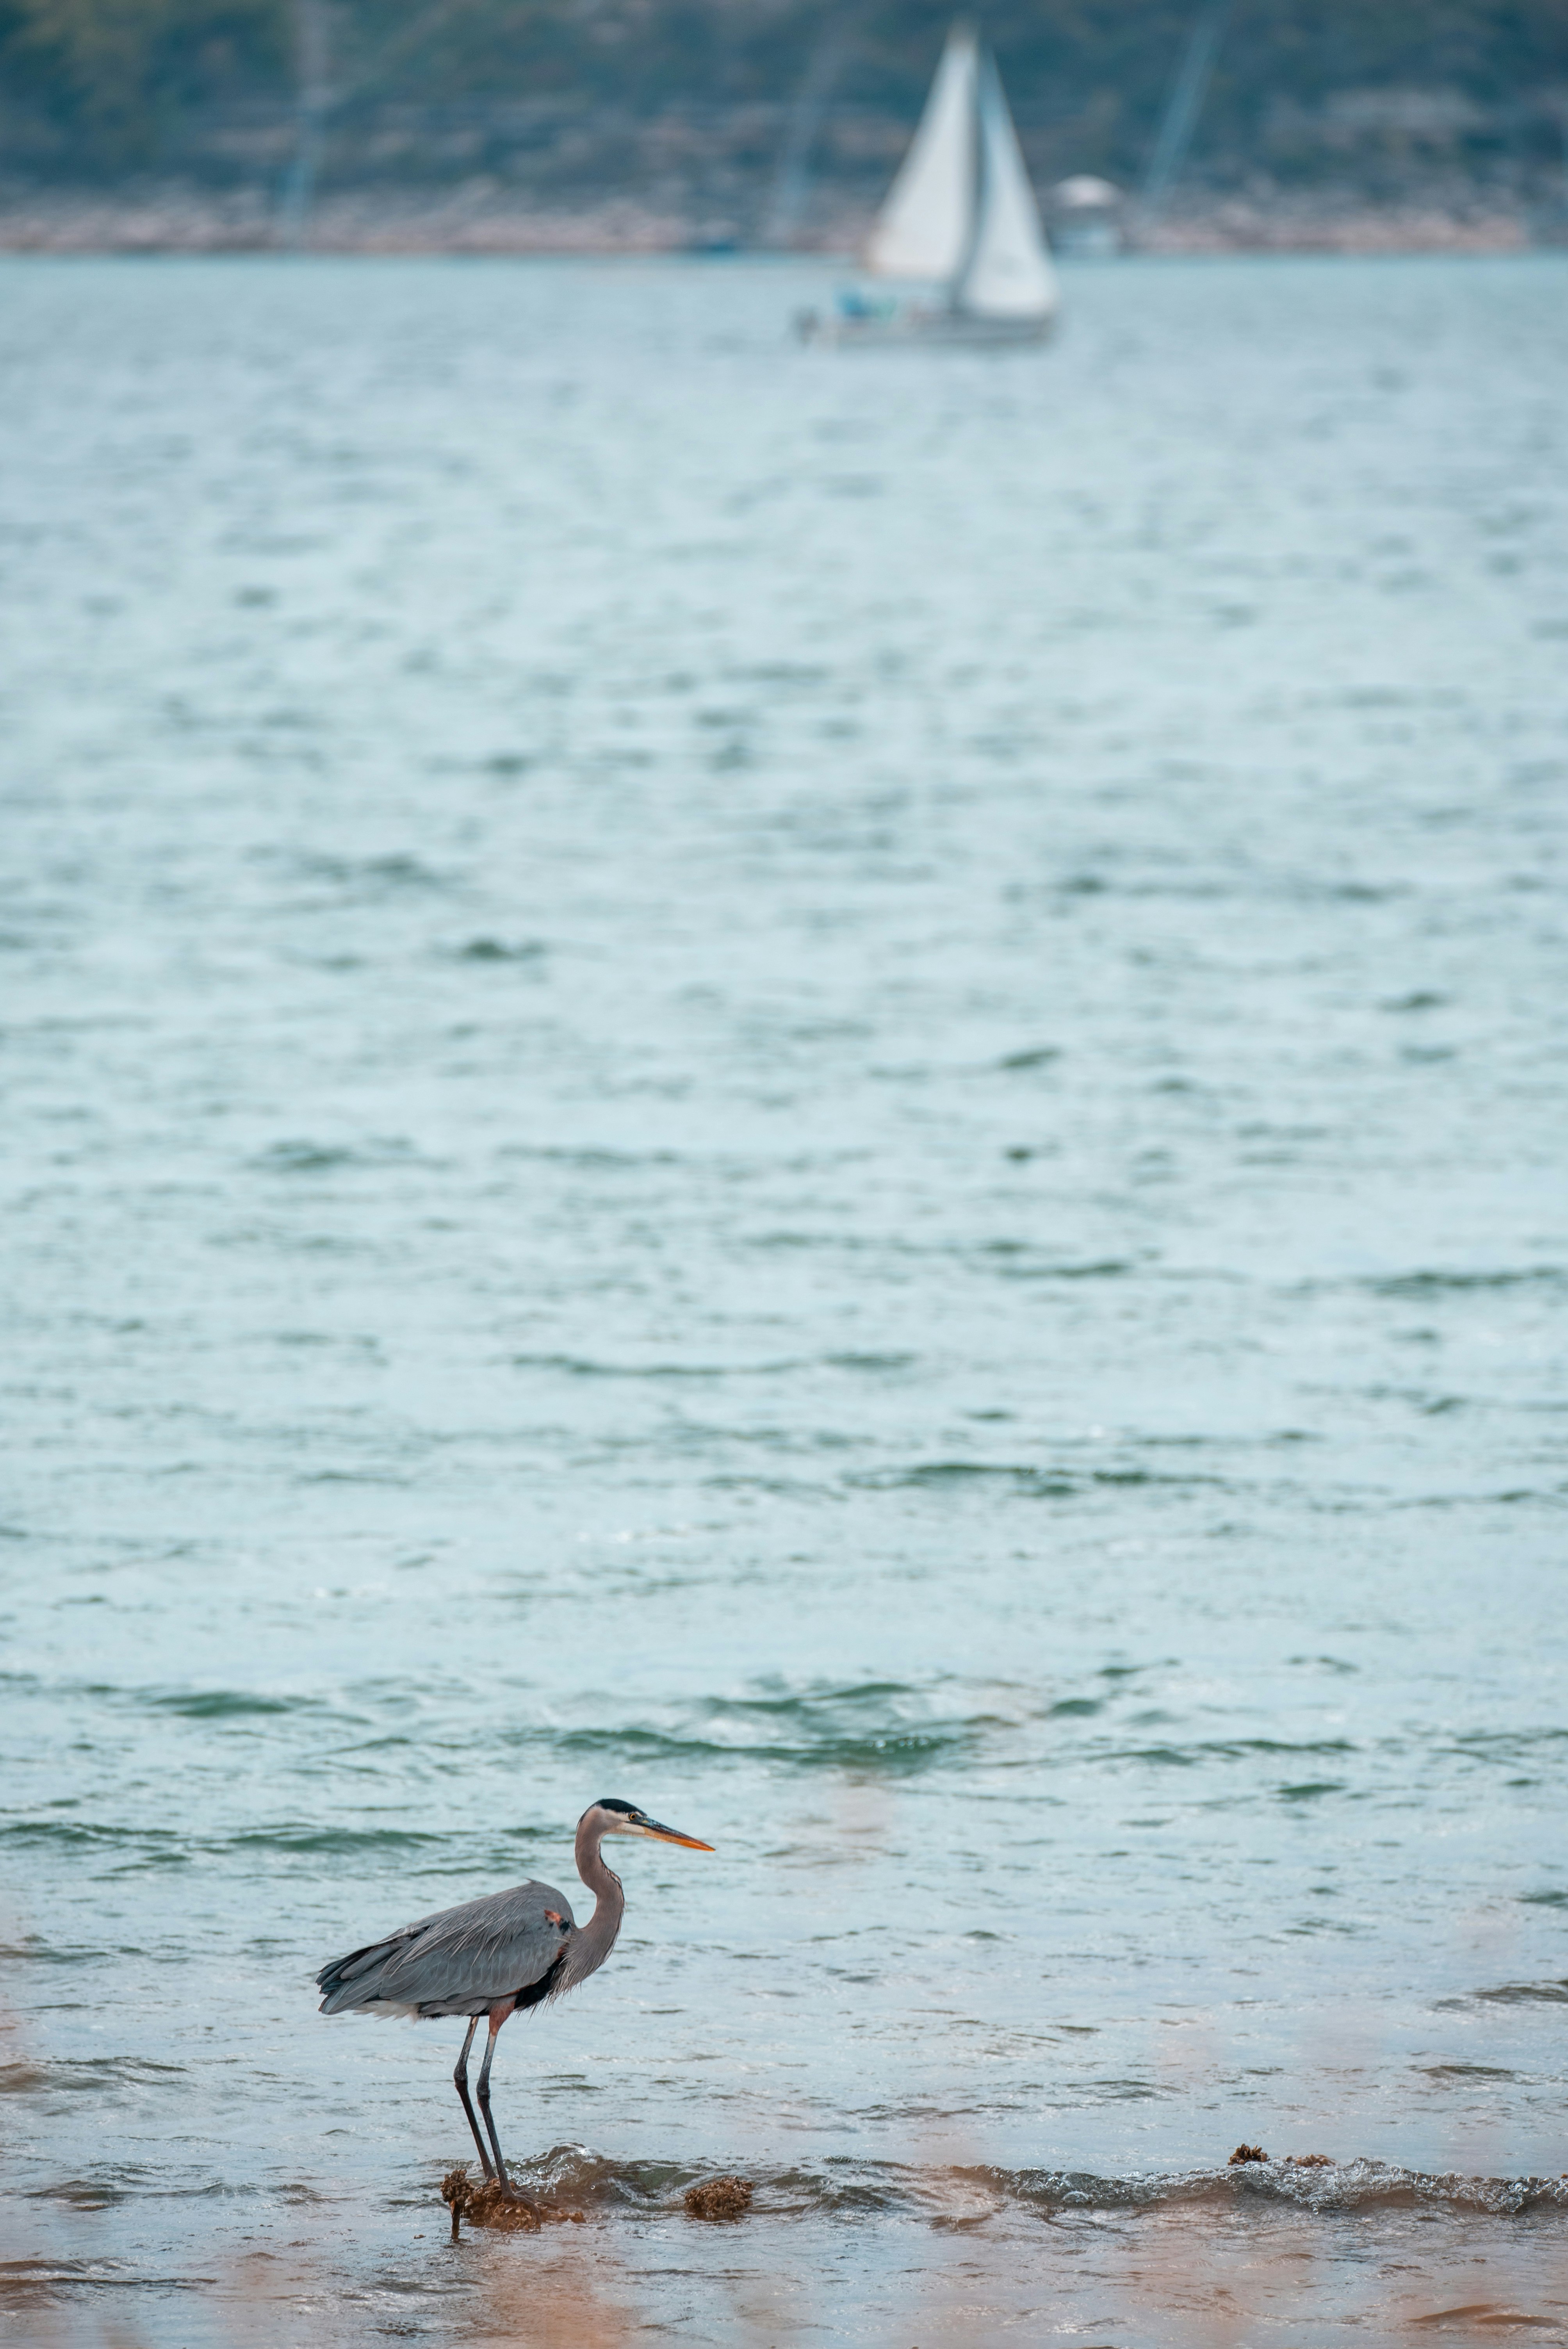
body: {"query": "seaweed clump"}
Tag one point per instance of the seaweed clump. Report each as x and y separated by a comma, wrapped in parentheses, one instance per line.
(1289, 2161)
(719, 2198)
(488, 2205)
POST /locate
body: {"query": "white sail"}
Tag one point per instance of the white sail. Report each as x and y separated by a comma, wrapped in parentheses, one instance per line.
(927, 224)
(1007, 272)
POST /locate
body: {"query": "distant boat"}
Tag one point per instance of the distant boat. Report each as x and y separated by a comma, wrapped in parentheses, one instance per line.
(1087, 217)
(961, 218)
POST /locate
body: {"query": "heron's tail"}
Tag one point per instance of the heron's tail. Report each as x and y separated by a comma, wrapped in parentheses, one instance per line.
(355, 1981)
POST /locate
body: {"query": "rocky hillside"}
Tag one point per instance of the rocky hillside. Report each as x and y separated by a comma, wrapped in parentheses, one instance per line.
(694, 120)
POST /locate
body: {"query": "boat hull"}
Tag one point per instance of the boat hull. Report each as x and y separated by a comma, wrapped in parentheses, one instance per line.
(949, 329)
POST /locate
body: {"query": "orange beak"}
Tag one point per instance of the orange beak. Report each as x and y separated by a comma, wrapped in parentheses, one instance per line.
(673, 1835)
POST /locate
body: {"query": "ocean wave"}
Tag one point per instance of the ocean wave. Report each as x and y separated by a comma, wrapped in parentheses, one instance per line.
(883, 1748)
(222, 1704)
(303, 1155)
(31, 2282)
(129, 1850)
(1026, 1480)
(92, 2074)
(489, 949)
(857, 1725)
(315, 1839)
(883, 1724)
(852, 2189)
(368, 878)
(587, 1366)
(1426, 1284)
(1331, 2186)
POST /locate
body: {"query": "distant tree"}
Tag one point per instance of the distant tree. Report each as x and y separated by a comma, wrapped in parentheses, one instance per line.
(117, 70)
(121, 76)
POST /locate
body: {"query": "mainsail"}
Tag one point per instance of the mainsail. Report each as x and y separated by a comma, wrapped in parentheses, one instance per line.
(1007, 272)
(926, 226)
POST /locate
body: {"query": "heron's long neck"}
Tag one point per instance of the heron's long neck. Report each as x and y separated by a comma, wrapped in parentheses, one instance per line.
(593, 1942)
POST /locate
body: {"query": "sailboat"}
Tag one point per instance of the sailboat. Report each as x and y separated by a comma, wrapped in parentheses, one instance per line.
(961, 218)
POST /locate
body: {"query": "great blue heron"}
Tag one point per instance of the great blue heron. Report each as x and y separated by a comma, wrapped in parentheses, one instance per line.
(490, 1957)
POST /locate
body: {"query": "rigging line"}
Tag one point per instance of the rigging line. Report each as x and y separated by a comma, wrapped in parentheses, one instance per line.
(1185, 103)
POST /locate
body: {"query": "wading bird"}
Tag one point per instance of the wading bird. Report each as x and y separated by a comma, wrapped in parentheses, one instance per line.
(491, 1957)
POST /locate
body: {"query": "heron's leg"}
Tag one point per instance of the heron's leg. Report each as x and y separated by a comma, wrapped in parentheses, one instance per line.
(497, 2015)
(460, 2081)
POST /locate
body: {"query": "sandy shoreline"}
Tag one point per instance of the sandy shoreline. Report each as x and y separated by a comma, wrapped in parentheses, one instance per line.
(477, 217)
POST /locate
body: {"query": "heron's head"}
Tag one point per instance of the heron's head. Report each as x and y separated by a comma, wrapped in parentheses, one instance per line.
(610, 1816)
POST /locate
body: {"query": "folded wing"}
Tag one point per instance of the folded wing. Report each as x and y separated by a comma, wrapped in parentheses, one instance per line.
(458, 1961)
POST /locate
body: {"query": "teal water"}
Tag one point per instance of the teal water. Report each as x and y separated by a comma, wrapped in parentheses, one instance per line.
(825, 1089)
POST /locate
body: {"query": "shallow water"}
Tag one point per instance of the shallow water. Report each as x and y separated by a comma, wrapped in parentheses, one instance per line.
(825, 1088)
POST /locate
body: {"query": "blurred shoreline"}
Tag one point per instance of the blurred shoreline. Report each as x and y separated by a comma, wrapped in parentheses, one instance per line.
(478, 216)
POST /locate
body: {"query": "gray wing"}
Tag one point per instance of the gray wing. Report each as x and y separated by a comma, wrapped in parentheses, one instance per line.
(458, 1961)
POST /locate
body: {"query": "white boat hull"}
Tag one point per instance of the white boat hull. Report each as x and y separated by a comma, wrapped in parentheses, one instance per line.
(949, 329)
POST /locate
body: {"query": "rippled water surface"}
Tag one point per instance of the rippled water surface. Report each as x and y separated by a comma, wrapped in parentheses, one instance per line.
(824, 1089)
